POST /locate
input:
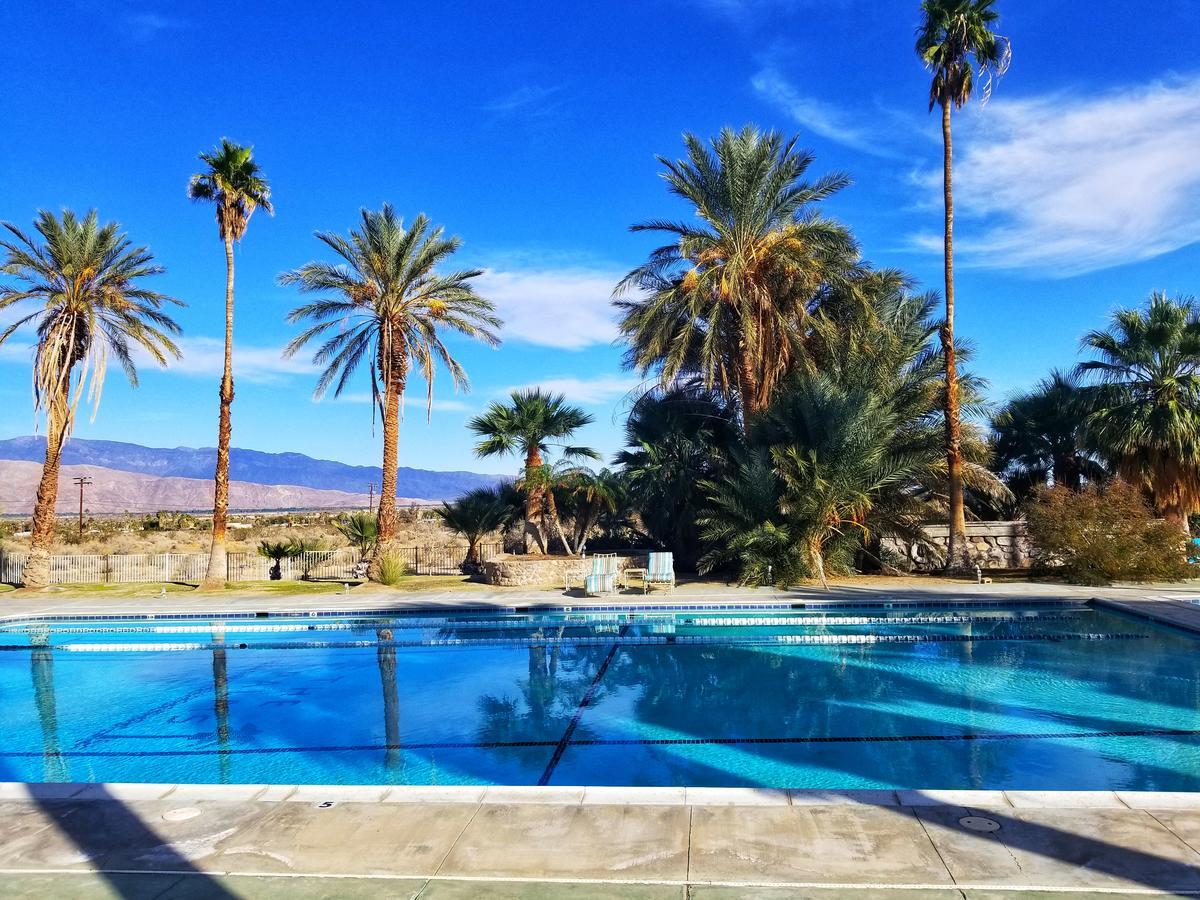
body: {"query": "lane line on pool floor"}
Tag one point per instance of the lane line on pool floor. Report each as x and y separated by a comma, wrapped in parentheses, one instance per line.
(566, 741)
(561, 747)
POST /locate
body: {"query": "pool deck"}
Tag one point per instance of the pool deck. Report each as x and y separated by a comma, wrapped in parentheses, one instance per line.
(193, 841)
(251, 841)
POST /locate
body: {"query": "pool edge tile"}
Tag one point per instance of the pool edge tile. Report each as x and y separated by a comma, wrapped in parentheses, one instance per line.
(526, 793)
(1064, 800)
(420, 793)
(702, 796)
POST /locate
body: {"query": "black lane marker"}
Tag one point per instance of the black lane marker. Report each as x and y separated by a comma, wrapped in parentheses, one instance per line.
(622, 742)
(561, 747)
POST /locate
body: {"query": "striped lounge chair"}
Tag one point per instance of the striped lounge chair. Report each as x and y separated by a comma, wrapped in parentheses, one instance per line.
(660, 569)
(603, 578)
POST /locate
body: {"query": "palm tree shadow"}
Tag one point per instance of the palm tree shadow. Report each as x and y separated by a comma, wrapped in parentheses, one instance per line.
(102, 824)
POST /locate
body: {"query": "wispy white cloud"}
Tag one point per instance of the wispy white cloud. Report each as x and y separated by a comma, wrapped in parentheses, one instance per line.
(597, 391)
(146, 26)
(526, 98)
(822, 118)
(566, 308)
(205, 357)
(1064, 184)
(202, 357)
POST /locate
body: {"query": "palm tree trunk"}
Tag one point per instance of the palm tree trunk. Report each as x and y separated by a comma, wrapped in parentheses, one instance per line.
(533, 501)
(36, 572)
(556, 523)
(957, 540)
(391, 460)
(218, 568)
(816, 558)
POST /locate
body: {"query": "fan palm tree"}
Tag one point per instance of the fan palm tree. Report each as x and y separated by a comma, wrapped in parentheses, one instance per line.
(1041, 436)
(233, 182)
(1145, 403)
(387, 304)
(87, 282)
(592, 494)
(361, 529)
(726, 298)
(525, 425)
(957, 43)
(477, 514)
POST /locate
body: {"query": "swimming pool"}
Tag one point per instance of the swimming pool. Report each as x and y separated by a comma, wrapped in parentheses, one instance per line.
(1047, 697)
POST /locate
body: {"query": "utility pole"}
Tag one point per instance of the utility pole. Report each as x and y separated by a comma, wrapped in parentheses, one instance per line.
(371, 495)
(81, 482)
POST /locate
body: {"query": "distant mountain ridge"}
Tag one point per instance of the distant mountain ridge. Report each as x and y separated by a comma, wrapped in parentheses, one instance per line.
(251, 466)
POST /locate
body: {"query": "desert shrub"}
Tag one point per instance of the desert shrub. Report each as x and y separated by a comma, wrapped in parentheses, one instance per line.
(1104, 534)
(388, 567)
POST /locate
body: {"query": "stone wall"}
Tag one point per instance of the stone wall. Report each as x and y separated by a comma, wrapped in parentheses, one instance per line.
(991, 545)
(521, 571)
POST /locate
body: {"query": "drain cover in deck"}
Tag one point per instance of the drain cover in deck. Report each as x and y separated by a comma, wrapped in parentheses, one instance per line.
(979, 823)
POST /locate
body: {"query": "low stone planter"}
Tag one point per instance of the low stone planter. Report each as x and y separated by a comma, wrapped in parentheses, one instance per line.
(521, 571)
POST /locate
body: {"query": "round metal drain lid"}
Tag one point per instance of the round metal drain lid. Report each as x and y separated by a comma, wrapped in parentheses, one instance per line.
(180, 814)
(979, 823)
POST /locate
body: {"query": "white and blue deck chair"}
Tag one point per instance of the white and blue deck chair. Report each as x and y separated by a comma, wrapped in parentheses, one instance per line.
(603, 577)
(660, 569)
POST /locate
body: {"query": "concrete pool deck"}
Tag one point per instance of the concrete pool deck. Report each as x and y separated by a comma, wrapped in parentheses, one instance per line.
(217, 841)
(192, 841)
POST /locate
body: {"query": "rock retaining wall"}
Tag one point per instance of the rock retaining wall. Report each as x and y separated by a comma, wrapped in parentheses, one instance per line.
(519, 571)
(991, 545)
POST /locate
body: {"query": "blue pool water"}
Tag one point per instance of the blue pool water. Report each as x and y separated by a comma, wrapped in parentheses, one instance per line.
(1056, 697)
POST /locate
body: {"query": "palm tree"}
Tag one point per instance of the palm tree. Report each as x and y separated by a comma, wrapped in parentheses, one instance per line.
(478, 513)
(592, 494)
(727, 297)
(361, 529)
(87, 281)
(1041, 436)
(1145, 404)
(849, 451)
(675, 439)
(525, 426)
(386, 304)
(955, 41)
(233, 182)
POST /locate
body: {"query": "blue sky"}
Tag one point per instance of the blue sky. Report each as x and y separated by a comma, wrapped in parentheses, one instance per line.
(530, 129)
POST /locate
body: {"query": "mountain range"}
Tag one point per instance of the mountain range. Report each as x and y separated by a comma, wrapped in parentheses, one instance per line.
(250, 467)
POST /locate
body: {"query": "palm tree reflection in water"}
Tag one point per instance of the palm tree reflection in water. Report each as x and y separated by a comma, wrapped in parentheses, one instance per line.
(386, 657)
(41, 662)
(221, 699)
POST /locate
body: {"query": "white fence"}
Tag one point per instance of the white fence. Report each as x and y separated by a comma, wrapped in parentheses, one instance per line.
(312, 565)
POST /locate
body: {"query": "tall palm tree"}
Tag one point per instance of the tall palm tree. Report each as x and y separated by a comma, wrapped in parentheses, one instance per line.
(87, 282)
(1042, 436)
(525, 425)
(233, 182)
(725, 299)
(387, 304)
(957, 43)
(1145, 404)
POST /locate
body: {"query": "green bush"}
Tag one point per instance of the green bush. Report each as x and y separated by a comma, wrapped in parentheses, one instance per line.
(1104, 534)
(389, 567)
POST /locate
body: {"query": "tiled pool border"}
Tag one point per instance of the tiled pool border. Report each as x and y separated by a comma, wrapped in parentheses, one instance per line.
(319, 794)
(545, 608)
